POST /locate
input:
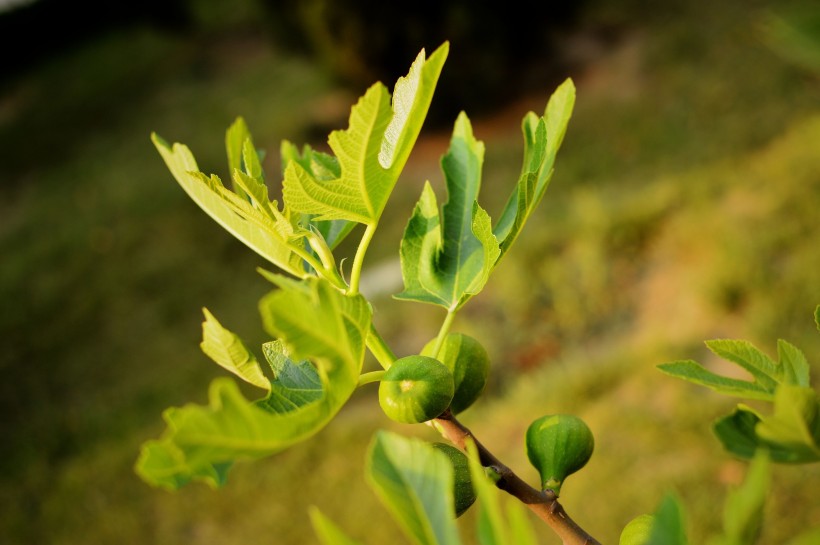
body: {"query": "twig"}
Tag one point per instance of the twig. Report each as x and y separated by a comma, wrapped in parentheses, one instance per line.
(544, 504)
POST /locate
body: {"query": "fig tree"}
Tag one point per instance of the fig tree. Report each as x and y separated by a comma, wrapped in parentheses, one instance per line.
(463, 492)
(558, 445)
(416, 389)
(470, 365)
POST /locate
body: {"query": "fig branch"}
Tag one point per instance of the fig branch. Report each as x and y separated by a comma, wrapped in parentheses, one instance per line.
(544, 504)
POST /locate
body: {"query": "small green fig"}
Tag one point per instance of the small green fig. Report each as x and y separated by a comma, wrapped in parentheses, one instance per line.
(638, 530)
(463, 491)
(558, 445)
(470, 365)
(416, 389)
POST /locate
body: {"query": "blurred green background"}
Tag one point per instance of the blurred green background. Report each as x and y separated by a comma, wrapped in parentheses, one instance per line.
(684, 207)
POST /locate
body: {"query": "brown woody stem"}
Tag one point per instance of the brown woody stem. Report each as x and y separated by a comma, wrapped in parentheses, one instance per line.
(544, 504)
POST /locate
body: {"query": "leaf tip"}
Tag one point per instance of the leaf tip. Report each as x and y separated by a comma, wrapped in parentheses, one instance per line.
(159, 141)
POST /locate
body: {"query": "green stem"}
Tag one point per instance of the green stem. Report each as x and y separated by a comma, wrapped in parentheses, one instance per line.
(442, 333)
(356, 273)
(331, 275)
(379, 348)
(317, 242)
(372, 376)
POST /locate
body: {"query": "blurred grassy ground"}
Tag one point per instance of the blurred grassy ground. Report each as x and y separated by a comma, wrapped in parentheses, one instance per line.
(684, 207)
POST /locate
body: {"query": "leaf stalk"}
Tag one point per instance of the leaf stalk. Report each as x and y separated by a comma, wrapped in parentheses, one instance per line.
(378, 347)
(442, 333)
(358, 260)
(372, 376)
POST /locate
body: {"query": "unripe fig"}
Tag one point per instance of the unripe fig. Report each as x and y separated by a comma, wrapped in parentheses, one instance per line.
(558, 445)
(637, 531)
(470, 365)
(463, 491)
(416, 389)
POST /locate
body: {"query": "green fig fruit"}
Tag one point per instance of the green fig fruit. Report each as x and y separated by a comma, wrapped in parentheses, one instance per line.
(416, 389)
(558, 445)
(463, 491)
(637, 531)
(470, 365)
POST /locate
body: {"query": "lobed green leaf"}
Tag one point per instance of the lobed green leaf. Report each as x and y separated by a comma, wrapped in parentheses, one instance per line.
(791, 369)
(371, 152)
(794, 364)
(765, 371)
(323, 167)
(266, 235)
(694, 372)
(543, 137)
(446, 258)
(329, 329)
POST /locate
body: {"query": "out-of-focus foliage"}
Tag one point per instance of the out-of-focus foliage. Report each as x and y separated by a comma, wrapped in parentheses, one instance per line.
(367, 40)
(795, 34)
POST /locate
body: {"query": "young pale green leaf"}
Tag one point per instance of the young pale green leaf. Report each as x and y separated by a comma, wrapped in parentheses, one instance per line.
(542, 139)
(372, 151)
(162, 463)
(817, 317)
(446, 258)
(668, 524)
(228, 350)
(765, 371)
(322, 167)
(794, 364)
(235, 138)
(328, 532)
(415, 482)
(694, 372)
(329, 329)
(232, 428)
(790, 369)
(411, 100)
(254, 227)
(743, 509)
